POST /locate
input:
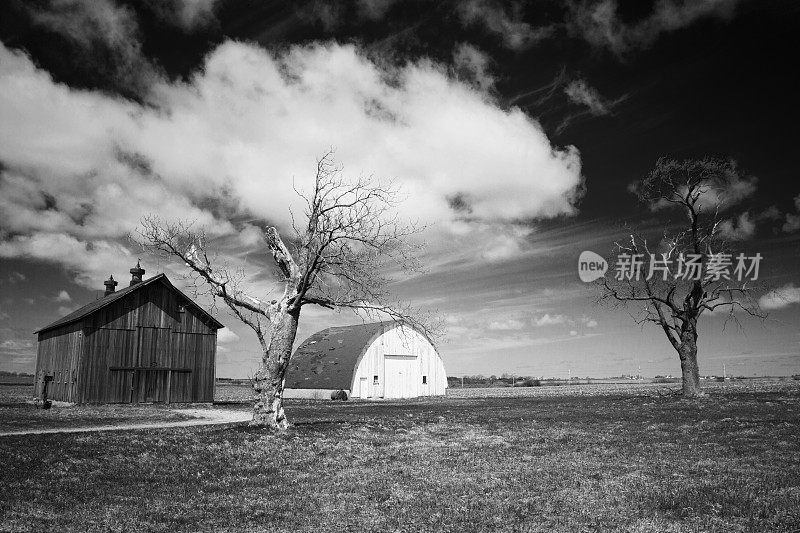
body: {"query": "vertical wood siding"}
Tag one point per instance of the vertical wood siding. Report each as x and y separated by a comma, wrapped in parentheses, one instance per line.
(58, 355)
(149, 346)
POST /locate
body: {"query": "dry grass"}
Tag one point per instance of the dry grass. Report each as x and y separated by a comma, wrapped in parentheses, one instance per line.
(16, 414)
(631, 388)
(628, 462)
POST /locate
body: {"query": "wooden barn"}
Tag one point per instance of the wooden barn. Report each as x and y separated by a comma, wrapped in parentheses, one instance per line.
(379, 360)
(148, 342)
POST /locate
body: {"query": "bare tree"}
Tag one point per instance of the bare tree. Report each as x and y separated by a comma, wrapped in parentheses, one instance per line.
(350, 234)
(693, 270)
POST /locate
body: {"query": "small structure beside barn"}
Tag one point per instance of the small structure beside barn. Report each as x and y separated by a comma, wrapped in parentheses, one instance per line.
(378, 360)
(148, 342)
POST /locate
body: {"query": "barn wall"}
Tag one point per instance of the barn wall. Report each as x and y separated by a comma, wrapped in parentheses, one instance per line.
(399, 357)
(367, 368)
(58, 355)
(149, 346)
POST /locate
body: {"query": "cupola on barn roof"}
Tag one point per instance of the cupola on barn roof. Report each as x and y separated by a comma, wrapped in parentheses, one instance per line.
(148, 342)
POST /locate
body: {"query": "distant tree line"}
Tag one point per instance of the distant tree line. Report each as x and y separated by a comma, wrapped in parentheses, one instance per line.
(6, 373)
(506, 380)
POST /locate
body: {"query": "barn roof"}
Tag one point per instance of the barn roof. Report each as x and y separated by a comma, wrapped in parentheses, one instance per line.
(90, 308)
(327, 359)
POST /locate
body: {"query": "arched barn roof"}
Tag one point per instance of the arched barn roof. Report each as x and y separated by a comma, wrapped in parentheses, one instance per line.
(327, 359)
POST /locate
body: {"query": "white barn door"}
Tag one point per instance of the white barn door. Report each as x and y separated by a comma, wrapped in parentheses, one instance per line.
(402, 376)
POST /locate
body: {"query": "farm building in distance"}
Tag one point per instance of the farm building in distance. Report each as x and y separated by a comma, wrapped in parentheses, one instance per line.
(379, 360)
(148, 342)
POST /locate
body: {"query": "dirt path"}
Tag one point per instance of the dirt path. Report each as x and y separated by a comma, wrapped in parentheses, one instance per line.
(205, 417)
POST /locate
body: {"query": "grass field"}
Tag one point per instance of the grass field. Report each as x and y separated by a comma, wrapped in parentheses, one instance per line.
(16, 414)
(628, 460)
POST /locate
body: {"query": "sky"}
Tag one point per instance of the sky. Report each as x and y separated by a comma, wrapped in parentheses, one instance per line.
(514, 130)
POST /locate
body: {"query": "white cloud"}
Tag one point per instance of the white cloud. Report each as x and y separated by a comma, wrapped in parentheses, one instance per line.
(599, 24)
(90, 260)
(725, 187)
(82, 167)
(770, 213)
(505, 325)
(16, 277)
(742, 229)
(186, 14)
(226, 335)
(792, 223)
(505, 21)
(63, 296)
(374, 9)
(452, 320)
(473, 64)
(502, 241)
(65, 309)
(114, 27)
(102, 23)
(501, 248)
(780, 298)
(550, 320)
(16, 344)
(579, 92)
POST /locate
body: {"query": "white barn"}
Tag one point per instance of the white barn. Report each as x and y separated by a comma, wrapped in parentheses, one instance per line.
(378, 360)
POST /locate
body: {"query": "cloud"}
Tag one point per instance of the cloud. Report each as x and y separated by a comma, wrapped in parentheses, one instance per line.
(473, 64)
(506, 325)
(579, 92)
(65, 309)
(16, 345)
(792, 223)
(780, 298)
(374, 9)
(63, 296)
(16, 277)
(81, 167)
(744, 228)
(186, 14)
(100, 28)
(550, 320)
(91, 260)
(507, 242)
(452, 320)
(600, 25)
(504, 21)
(724, 186)
(226, 335)
(770, 213)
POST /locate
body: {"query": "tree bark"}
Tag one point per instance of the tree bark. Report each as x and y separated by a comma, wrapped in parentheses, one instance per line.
(688, 355)
(269, 380)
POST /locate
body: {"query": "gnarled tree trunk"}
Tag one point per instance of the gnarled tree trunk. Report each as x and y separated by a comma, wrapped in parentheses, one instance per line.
(269, 380)
(688, 355)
